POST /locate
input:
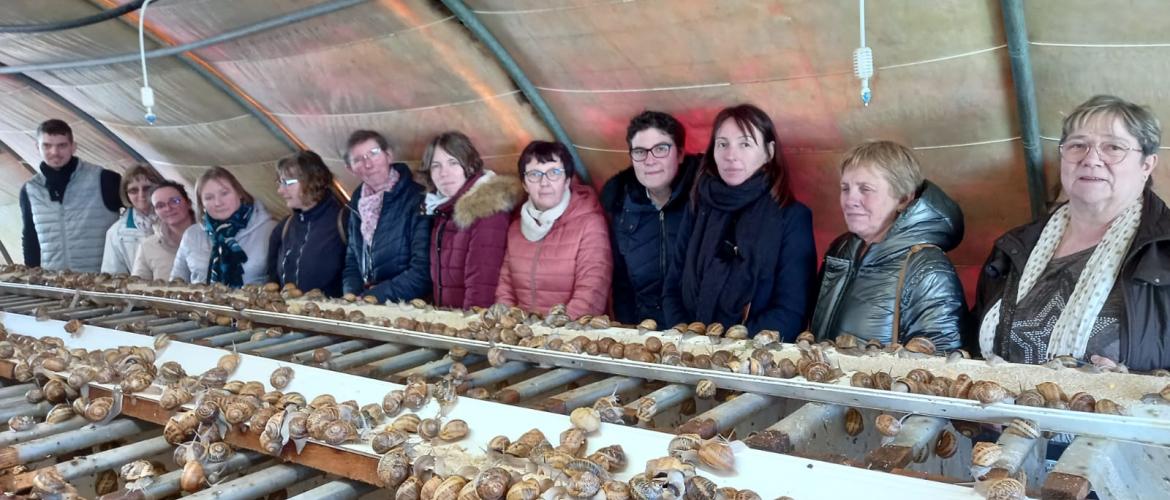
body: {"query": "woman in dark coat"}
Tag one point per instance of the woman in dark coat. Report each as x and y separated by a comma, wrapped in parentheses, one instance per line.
(745, 252)
(645, 204)
(472, 208)
(888, 279)
(307, 248)
(388, 255)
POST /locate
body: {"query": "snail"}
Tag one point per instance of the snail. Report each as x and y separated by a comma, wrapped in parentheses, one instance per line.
(189, 451)
(458, 371)
(920, 345)
(428, 428)
(818, 371)
(454, 430)
(946, 445)
(238, 411)
(171, 372)
(387, 440)
(21, 423)
(854, 422)
(218, 452)
(717, 455)
(372, 414)
(526, 443)
(492, 483)
(1082, 401)
(1030, 398)
(207, 410)
(646, 409)
(983, 454)
(495, 357)
(1107, 406)
(174, 397)
(586, 419)
(615, 490)
(888, 425)
(179, 427)
(98, 409)
(1002, 489)
(987, 392)
(298, 424)
(406, 423)
(1051, 392)
(161, 341)
(1024, 428)
(528, 489)
(392, 401)
(270, 439)
(713, 331)
(499, 443)
(322, 400)
(293, 398)
(214, 377)
(393, 468)
(705, 389)
(229, 362)
(410, 489)
(54, 391)
(34, 395)
(59, 413)
(193, 478)
(73, 326)
(572, 441)
(281, 377)
(736, 332)
(699, 487)
(321, 355)
(647, 325)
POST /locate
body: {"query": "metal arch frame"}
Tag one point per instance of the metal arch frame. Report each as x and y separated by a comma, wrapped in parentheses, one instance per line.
(3, 249)
(1016, 31)
(509, 64)
(217, 80)
(88, 118)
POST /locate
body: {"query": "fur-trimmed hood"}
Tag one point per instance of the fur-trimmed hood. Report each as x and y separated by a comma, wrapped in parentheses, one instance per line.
(495, 194)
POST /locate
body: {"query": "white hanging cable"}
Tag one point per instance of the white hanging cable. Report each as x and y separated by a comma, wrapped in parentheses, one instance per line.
(863, 59)
(146, 92)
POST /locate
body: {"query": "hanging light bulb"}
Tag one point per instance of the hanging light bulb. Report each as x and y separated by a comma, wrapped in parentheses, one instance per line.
(863, 60)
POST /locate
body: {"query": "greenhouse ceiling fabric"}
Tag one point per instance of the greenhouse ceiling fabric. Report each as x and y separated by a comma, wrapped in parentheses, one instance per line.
(410, 69)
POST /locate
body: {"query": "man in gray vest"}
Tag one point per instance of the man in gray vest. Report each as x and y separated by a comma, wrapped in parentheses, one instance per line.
(67, 207)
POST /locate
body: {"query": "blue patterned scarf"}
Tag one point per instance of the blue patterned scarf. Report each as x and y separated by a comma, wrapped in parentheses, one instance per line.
(227, 257)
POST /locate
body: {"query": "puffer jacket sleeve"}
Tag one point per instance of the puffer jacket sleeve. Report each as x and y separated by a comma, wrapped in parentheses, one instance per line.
(788, 306)
(113, 256)
(485, 256)
(415, 281)
(933, 304)
(593, 272)
(624, 303)
(673, 309)
(351, 277)
(506, 291)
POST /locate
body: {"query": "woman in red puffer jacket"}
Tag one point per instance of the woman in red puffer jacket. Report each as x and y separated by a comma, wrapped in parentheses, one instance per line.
(472, 208)
(558, 246)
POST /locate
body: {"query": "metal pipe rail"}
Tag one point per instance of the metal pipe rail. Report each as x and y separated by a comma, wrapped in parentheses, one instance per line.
(1124, 428)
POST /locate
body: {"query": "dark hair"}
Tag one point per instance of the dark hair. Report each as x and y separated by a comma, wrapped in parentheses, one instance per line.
(360, 136)
(55, 126)
(545, 151)
(316, 180)
(223, 175)
(748, 118)
(166, 183)
(134, 173)
(457, 145)
(661, 121)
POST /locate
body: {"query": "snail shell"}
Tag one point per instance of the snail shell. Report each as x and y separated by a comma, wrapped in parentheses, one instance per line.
(736, 332)
(293, 398)
(428, 428)
(59, 413)
(747, 495)
(373, 413)
(270, 439)
(207, 410)
(338, 432)
(528, 489)
(193, 478)
(717, 455)
(705, 389)
(323, 400)
(946, 445)
(407, 423)
(454, 430)
(846, 341)
(174, 397)
(73, 326)
(983, 454)
(1004, 489)
(920, 345)
(281, 377)
(97, 409)
(499, 443)
(22, 422)
(818, 372)
(614, 454)
(647, 408)
(178, 429)
(1025, 428)
(385, 441)
(888, 425)
(1082, 401)
(81, 376)
(908, 385)
(218, 452)
(496, 357)
(229, 362)
(586, 419)
(1030, 398)
(54, 363)
(785, 368)
(458, 371)
(647, 325)
(393, 468)
(493, 483)
(238, 411)
(987, 392)
(1052, 393)
(713, 331)
(214, 377)
(271, 398)
(34, 395)
(392, 401)
(191, 451)
(79, 405)
(321, 355)
(861, 379)
(854, 422)
(921, 375)
(572, 441)
(54, 391)
(171, 371)
(1107, 406)
(1165, 392)
(298, 424)
(616, 490)
(259, 418)
(700, 488)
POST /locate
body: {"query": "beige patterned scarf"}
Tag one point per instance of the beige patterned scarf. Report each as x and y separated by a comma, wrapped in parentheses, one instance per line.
(1071, 332)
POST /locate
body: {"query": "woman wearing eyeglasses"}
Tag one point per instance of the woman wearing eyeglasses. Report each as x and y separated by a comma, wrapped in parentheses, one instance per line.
(156, 256)
(137, 221)
(388, 254)
(1091, 281)
(745, 252)
(558, 246)
(229, 244)
(472, 208)
(645, 204)
(307, 248)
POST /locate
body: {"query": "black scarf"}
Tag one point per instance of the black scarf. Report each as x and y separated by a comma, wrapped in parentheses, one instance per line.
(56, 179)
(730, 246)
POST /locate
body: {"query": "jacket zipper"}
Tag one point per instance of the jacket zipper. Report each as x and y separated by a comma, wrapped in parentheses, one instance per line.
(662, 247)
(439, 260)
(532, 271)
(301, 254)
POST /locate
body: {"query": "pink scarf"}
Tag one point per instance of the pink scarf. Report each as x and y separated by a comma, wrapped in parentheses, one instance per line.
(370, 205)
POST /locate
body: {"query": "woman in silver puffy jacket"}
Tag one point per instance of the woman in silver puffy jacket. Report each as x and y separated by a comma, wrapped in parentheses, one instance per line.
(888, 278)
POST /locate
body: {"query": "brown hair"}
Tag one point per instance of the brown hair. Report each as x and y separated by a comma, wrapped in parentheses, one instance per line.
(138, 172)
(893, 161)
(748, 118)
(54, 126)
(544, 152)
(221, 174)
(457, 145)
(360, 136)
(309, 169)
(1139, 120)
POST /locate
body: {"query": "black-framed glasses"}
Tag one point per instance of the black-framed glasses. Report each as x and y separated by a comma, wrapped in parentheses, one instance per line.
(373, 153)
(1110, 152)
(660, 150)
(553, 175)
(287, 182)
(173, 202)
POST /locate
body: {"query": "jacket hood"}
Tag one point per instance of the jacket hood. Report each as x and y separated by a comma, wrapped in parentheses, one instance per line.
(258, 220)
(501, 193)
(582, 202)
(933, 218)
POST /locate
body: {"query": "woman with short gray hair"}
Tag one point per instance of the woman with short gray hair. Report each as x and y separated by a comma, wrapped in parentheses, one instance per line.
(888, 279)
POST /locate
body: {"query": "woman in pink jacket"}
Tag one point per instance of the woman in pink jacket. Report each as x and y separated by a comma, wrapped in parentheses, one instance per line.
(558, 246)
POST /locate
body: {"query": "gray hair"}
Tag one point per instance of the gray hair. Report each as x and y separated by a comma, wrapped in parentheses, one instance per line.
(1138, 120)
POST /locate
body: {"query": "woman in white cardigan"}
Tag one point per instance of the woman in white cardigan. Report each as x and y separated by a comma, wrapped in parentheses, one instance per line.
(229, 243)
(136, 223)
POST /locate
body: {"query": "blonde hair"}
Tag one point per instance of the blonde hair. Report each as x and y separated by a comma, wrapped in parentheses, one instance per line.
(893, 161)
(223, 175)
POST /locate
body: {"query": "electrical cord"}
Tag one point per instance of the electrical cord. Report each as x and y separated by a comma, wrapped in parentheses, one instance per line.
(104, 15)
(146, 92)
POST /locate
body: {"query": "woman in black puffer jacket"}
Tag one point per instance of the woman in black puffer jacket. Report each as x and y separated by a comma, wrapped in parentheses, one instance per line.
(307, 248)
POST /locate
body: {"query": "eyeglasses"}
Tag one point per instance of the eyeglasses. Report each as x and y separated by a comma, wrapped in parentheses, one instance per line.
(353, 161)
(173, 202)
(133, 190)
(660, 150)
(553, 175)
(1110, 152)
(287, 182)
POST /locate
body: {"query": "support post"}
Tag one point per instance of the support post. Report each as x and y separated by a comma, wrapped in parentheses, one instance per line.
(1016, 30)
